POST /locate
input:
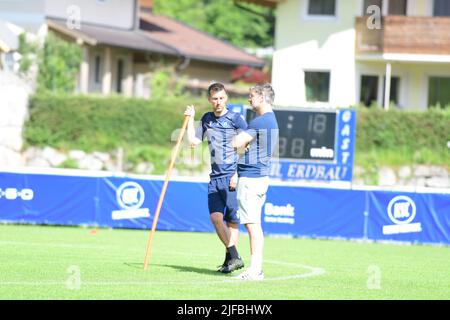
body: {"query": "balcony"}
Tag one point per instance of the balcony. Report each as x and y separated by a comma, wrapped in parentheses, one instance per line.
(404, 35)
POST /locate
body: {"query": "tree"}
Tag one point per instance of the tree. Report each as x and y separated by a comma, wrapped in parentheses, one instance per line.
(223, 19)
(59, 65)
(28, 50)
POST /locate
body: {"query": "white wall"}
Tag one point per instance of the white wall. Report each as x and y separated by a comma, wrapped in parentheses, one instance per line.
(305, 43)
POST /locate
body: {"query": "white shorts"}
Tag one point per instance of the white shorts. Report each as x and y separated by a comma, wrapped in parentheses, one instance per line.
(251, 195)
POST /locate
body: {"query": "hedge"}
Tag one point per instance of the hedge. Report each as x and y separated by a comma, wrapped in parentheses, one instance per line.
(378, 129)
(105, 123)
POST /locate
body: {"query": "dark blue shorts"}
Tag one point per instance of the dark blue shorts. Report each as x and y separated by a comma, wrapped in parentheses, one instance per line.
(221, 199)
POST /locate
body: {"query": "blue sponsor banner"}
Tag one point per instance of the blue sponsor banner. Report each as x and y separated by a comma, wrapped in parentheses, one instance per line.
(126, 203)
(130, 202)
(48, 199)
(346, 141)
(407, 216)
(314, 212)
(294, 170)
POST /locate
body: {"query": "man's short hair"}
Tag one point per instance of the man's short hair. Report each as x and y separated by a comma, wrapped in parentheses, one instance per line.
(215, 87)
(266, 91)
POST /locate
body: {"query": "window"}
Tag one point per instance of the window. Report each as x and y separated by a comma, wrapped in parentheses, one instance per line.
(9, 61)
(322, 7)
(397, 7)
(119, 75)
(439, 92)
(317, 86)
(97, 69)
(395, 89)
(368, 3)
(441, 8)
(369, 90)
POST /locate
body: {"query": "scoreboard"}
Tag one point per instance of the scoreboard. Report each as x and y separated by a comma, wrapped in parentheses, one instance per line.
(307, 135)
(314, 144)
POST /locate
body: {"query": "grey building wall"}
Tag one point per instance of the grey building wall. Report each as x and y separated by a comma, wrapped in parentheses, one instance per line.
(112, 13)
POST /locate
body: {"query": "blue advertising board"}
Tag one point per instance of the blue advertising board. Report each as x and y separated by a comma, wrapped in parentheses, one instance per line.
(130, 201)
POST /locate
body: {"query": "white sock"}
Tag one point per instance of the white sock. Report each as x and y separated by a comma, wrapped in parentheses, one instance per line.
(256, 264)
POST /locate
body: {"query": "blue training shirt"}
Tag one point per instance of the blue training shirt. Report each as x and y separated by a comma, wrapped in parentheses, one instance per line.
(255, 162)
(220, 132)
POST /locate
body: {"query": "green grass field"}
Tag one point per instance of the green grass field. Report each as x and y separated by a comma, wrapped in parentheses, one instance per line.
(43, 262)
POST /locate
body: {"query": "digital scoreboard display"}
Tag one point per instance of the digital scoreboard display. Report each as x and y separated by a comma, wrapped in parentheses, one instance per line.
(314, 144)
(306, 135)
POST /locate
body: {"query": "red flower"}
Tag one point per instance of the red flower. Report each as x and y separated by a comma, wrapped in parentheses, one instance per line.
(249, 75)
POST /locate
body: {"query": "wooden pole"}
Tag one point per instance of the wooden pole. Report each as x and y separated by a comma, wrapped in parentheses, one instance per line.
(163, 191)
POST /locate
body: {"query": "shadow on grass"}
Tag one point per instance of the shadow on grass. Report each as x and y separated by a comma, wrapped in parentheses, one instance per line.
(140, 265)
(135, 265)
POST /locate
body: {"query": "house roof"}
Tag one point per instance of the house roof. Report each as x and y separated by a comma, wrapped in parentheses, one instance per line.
(95, 34)
(194, 43)
(162, 35)
(8, 40)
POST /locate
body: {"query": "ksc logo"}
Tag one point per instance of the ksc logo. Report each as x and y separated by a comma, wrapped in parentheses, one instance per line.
(130, 196)
(402, 211)
(13, 194)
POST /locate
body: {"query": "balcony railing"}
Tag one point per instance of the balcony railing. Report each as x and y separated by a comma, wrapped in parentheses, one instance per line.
(407, 35)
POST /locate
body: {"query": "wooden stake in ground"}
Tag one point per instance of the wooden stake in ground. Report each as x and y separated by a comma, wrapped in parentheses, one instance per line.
(163, 191)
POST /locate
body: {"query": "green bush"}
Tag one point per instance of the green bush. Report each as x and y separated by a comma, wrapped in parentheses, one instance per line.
(103, 123)
(28, 50)
(69, 164)
(59, 64)
(395, 129)
(399, 137)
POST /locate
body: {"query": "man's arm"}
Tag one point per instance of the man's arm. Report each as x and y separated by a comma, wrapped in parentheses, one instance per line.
(241, 141)
(233, 181)
(192, 139)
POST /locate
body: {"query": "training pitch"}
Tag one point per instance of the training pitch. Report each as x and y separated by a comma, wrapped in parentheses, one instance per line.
(44, 262)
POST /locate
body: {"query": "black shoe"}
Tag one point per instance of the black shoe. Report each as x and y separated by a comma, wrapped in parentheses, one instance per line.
(225, 262)
(233, 264)
(221, 268)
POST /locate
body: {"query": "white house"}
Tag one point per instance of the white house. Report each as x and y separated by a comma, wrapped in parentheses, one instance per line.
(339, 52)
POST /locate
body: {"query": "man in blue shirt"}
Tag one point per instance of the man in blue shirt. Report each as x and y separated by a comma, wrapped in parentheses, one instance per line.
(219, 127)
(260, 141)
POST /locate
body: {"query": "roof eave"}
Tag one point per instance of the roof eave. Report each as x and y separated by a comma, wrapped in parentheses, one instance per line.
(4, 47)
(71, 33)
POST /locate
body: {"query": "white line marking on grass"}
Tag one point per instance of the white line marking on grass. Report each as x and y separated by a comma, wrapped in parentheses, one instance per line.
(32, 283)
(52, 245)
(313, 271)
